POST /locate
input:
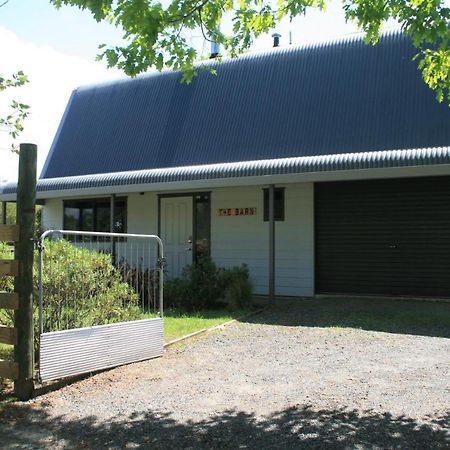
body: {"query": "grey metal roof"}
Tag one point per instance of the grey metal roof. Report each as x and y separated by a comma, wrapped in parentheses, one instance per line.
(330, 98)
(283, 166)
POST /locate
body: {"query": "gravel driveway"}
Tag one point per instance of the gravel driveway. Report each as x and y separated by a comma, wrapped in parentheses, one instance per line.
(255, 385)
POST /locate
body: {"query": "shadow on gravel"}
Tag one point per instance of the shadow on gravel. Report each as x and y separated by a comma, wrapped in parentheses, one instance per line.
(376, 314)
(297, 427)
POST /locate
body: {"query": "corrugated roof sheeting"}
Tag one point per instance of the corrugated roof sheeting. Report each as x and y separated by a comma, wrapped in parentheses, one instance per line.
(285, 166)
(338, 97)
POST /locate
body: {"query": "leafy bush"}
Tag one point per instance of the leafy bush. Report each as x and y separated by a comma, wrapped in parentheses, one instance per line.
(6, 284)
(198, 287)
(237, 287)
(176, 293)
(6, 252)
(144, 281)
(204, 285)
(81, 288)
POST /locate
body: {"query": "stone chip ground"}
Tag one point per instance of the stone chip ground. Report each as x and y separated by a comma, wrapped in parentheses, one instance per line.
(267, 383)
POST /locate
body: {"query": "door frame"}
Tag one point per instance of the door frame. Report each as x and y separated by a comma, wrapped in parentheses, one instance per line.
(194, 217)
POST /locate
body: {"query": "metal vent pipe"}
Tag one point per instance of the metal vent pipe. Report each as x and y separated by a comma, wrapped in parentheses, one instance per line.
(276, 39)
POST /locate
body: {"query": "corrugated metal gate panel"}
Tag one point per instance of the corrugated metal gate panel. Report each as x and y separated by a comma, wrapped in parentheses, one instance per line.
(72, 352)
(383, 237)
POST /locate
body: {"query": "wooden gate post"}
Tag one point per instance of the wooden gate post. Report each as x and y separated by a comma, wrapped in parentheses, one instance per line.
(26, 211)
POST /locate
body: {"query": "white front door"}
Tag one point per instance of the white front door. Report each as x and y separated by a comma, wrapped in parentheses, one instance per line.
(176, 233)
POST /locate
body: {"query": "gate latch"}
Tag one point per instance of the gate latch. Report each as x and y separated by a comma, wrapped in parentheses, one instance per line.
(161, 264)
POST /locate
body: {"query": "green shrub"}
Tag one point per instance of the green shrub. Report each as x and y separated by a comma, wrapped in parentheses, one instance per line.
(203, 285)
(176, 293)
(6, 252)
(144, 281)
(198, 288)
(6, 284)
(237, 287)
(81, 288)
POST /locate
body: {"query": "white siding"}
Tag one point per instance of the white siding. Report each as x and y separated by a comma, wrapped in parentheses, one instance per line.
(245, 239)
(142, 218)
(143, 213)
(241, 239)
(52, 215)
(294, 243)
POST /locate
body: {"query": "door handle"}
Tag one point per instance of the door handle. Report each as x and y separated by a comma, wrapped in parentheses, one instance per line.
(188, 249)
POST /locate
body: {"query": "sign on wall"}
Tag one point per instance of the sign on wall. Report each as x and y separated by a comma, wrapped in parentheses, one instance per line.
(237, 211)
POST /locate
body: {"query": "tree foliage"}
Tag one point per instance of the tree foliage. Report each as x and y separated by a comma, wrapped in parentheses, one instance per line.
(13, 121)
(154, 31)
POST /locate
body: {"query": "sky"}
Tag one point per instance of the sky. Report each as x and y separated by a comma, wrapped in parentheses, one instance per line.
(57, 50)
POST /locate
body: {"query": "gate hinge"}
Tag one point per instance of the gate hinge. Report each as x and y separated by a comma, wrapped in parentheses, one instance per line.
(38, 244)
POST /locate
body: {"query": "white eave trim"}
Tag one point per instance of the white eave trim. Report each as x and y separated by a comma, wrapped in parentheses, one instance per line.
(384, 164)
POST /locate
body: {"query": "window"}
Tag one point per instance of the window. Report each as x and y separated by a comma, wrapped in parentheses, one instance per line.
(202, 225)
(279, 204)
(95, 215)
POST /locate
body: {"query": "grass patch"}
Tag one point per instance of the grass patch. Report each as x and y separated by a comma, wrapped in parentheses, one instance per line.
(178, 323)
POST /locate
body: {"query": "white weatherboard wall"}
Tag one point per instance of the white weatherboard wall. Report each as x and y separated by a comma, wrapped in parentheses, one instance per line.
(245, 239)
(294, 243)
(142, 213)
(52, 215)
(240, 239)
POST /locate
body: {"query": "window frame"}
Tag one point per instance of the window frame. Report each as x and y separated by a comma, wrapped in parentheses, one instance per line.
(95, 204)
(205, 198)
(279, 210)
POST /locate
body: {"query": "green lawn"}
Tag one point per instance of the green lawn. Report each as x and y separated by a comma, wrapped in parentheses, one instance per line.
(180, 323)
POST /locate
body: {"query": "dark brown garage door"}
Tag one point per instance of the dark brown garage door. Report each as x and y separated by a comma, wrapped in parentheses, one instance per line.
(383, 237)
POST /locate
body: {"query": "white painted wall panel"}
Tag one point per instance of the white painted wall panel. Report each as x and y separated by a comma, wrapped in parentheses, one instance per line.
(245, 239)
(241, 239)
(143, 213)
(52, 215)
(294, 246)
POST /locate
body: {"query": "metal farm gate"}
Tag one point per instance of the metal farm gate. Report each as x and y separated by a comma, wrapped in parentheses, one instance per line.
(100, 301)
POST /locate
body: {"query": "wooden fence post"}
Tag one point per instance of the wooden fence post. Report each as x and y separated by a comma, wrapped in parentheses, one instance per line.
(26, 211)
